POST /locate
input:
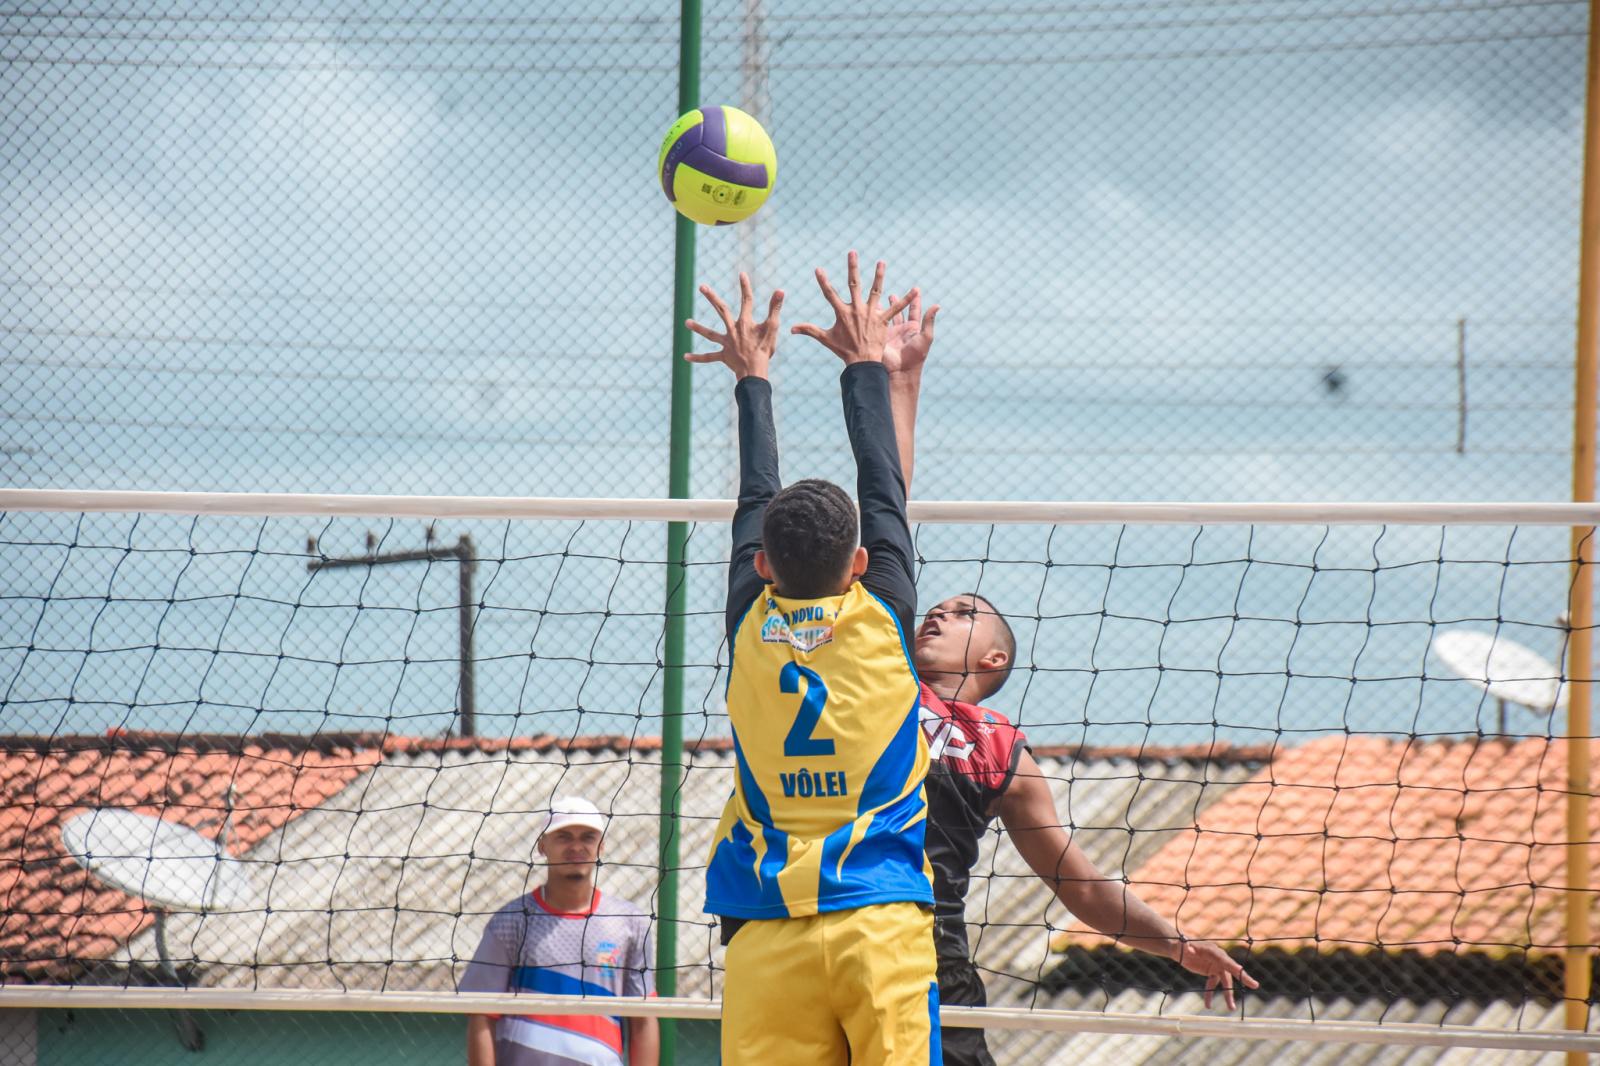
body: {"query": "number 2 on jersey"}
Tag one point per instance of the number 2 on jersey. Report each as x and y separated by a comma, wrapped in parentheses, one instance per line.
(800, 743)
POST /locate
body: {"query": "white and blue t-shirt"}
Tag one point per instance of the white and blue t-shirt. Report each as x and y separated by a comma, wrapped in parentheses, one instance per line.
(529, 947)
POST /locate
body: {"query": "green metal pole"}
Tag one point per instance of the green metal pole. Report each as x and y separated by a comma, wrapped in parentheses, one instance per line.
(677, 573)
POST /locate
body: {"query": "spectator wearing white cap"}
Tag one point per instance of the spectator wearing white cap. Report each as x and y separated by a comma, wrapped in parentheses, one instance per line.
(567, 939)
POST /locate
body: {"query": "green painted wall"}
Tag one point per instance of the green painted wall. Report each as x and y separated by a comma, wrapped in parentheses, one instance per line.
(281, 1038)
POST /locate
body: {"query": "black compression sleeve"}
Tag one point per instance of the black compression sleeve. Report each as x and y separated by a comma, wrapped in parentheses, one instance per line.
(880, 490)
(758, 483)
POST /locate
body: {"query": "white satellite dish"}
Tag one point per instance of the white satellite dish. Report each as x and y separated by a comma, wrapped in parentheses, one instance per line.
(169, 866)
(1502, 668)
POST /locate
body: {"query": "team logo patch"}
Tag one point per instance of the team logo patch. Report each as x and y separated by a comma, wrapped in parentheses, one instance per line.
(805, 629)
(608, 955)
(945, 738)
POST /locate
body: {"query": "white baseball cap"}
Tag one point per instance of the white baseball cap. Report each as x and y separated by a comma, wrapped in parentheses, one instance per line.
(572, 810)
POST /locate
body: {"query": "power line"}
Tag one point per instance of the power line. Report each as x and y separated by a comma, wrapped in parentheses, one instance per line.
(500, 384)
(874, 14)
(368, 348)
(220, 341)
(308, 296)
(342, 432)
(1187, 446)
(868, 33)
(1184, 54)
(921, 63)
(1061, 366)
(522, 304)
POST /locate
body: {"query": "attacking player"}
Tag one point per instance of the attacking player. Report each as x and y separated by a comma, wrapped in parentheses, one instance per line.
(817, 869)
(964, 650)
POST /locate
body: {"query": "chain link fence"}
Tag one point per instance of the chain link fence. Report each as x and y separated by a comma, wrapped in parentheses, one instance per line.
(1201, 251)
(1190, 251)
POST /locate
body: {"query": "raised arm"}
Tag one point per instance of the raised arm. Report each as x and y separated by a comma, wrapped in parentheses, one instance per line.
(1029, 812)
(858, 338)
(905, 349)
(747, 349)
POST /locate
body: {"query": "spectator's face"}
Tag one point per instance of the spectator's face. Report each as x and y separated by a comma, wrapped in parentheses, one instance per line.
(954, 638)
(571, 851)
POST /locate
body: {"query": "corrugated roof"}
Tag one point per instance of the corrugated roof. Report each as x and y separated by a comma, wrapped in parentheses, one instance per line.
(1363, 843)
(410, 859)
(409, 845)
(389, 883)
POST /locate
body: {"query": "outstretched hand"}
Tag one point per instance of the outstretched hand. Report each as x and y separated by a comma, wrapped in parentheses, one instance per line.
(1220, 971)
(747, 346)
(860, 328)
(910, 335)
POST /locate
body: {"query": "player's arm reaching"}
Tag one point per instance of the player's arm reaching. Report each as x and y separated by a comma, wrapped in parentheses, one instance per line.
(858, 337)
(1029, 812)
(747, 349)
(905, 349)
(1026, 806)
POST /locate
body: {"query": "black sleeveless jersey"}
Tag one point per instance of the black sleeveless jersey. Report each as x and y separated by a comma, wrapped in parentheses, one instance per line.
(974, 753)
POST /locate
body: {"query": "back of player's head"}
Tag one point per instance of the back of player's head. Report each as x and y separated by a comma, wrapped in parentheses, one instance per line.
(809, 535)
(1004, 640)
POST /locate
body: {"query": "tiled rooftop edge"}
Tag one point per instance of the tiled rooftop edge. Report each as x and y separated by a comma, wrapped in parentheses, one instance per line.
(328, 743)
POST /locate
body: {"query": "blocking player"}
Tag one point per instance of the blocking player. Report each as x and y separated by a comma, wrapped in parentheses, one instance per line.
(964, 650)
(817, 869)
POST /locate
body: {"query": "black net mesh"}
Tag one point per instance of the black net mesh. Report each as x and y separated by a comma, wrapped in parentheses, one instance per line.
(1298, 742)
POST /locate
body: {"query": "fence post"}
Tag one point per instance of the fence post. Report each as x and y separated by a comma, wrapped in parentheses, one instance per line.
(677, 573)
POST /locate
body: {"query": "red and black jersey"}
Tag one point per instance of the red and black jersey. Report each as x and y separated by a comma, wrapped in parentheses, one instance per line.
(974, 753)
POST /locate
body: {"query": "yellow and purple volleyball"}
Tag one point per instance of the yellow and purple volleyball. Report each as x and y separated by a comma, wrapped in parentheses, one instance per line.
(717, 165)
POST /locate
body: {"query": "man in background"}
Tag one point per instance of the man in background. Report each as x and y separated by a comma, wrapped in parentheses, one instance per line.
(564, 939)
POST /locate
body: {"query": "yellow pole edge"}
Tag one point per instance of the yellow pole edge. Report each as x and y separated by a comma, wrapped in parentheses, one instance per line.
(1580, 949)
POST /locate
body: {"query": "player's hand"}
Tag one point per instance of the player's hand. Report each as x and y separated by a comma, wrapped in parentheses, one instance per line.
(1214, 964)
(747, 347)
(909, 336)
(860, 327)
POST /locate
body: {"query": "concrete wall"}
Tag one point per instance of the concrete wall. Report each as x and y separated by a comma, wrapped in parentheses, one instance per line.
(19, 1038)
(265, 1038)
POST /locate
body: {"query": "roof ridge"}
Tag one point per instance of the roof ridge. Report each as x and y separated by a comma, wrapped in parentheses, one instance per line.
(392, 744)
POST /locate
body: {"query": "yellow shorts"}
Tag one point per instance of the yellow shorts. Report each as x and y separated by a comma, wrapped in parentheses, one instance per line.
(856, 986)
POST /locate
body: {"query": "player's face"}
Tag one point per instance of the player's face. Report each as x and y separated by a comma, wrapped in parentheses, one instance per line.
(571, 850)
(954, 635)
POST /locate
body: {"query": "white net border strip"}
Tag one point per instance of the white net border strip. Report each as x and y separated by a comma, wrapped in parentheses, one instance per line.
(975, 512)
(1188, 1026)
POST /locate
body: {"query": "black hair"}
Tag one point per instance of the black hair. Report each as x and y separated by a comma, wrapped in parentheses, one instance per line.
(1008, 644)
(809, 534)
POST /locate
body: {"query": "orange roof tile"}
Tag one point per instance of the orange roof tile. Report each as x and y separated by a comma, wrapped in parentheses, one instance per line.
(1368, 844)
(55, 916)
(53, 913)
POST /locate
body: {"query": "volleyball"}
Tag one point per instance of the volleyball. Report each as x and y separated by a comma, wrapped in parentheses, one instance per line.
(717, 165)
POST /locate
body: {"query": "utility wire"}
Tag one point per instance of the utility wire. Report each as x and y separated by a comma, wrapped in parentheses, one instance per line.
(920, 62)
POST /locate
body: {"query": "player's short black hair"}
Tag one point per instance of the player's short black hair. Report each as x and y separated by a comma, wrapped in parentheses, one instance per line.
(809, 533)
(1008, 644)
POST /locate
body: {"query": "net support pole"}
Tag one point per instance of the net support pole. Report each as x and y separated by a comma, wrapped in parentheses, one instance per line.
(677, 542)
(1580, 952)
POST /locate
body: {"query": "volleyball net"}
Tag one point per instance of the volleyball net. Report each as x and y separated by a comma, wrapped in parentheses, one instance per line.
(291, 752)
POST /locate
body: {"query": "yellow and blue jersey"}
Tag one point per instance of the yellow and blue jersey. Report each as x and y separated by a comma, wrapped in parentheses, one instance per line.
(828, 810)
